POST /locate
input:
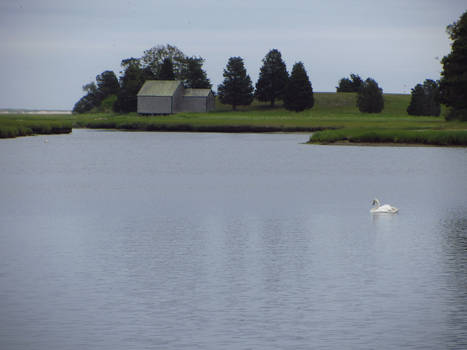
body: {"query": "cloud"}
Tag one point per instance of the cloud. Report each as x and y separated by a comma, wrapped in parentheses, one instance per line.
(54, 47)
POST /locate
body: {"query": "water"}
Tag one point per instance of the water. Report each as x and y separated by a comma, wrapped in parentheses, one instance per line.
(113, 240)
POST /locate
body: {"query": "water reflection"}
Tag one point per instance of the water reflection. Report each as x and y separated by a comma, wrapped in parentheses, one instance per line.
(229, 241)
(454, 230)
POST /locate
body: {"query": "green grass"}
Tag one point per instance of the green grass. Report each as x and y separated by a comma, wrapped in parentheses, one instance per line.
(331, 110)
(334, 118)
(396, 136)
(14, 125)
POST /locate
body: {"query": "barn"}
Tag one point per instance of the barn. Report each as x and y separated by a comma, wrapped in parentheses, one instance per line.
(170, 96)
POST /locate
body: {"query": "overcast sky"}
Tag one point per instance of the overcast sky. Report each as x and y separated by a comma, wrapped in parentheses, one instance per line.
(51, 48)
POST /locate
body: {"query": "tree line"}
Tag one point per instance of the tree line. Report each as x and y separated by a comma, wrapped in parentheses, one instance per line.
(162, 62)
(427, 97)
(274, 83)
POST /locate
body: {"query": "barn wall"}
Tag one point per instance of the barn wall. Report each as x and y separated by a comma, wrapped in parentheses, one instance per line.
(178, 99)
(193, 104)
(154, 105)
(211, 102)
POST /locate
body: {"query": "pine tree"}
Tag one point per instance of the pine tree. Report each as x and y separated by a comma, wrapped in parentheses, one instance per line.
(299, 93)
(236, 89)
(350, 85)
(194, 75)
(370, 97)
(425, 99)
(166, 71)
(273, 78)
(453, 85)
(130, 83)
(417, 100)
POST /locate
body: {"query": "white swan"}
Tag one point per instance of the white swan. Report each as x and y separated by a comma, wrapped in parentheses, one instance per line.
(386, 208)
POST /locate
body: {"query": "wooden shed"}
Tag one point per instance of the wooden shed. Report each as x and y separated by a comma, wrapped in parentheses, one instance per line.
(170, 96)
(198, 100)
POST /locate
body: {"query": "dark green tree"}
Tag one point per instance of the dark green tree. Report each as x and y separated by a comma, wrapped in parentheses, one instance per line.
(88, 101)
(194, 76)
(148, 74)
(453, 84)
(417, 100)
(130, 82)
(425, 99)
(273, 78)
(107, 83)
(350, 85)
(370, 97)
(236, 89)
(166, 71)
(299, 93)
(154, 57)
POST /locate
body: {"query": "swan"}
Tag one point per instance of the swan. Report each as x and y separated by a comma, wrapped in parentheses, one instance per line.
(386, 208)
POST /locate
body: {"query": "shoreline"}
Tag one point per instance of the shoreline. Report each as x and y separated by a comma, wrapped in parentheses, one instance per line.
(382, 144)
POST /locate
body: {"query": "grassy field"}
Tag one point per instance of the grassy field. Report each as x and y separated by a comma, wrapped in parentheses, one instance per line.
(334, 118)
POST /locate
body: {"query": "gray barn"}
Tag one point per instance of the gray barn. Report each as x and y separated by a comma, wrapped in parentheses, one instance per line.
(170, 96)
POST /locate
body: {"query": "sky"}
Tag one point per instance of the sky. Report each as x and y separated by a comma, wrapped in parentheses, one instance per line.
(49, 49)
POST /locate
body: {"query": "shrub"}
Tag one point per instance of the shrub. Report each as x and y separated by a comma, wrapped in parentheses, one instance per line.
(350, 85)
(370, 97)
(425, 99)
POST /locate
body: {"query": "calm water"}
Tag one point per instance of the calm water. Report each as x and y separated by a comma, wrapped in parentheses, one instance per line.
(113, 240)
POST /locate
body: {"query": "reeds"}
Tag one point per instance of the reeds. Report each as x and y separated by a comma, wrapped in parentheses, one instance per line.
(422, 137)
(29, 126)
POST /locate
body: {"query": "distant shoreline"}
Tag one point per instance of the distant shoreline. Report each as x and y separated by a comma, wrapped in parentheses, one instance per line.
(33, 111)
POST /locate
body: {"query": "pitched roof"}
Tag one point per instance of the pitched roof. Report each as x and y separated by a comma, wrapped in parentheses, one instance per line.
(159, 88)
(197, 92)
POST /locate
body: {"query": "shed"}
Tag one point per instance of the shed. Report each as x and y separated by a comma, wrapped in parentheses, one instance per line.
(170, 96)
(159, 97)
(198, 100)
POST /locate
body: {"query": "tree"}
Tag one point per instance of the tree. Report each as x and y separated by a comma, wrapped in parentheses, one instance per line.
(370, 97)
(425, 99)
(237, 89)
(130, 83)
(154, 57)
(194, 76)
(107, 84)
(350, 85)
(453, 84)
(273, 78)
(299, 93)
(88, 101)
(166, 71)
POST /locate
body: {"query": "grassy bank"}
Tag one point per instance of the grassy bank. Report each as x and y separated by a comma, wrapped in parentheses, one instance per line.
(331, 111)
(14, 125)
(396, 136)
(334, 115)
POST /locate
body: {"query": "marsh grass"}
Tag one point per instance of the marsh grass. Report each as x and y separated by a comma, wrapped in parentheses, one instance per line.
(14, 125)
(334, 115)
(423, 137)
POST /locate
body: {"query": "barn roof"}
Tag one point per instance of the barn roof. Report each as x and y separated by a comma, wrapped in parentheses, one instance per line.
(159, 88)
(197, 92)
